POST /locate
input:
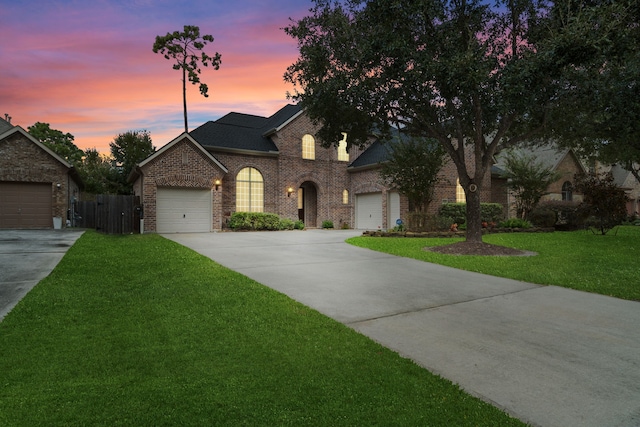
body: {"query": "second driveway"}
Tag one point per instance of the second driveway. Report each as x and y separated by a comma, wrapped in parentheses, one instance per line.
(549, 356)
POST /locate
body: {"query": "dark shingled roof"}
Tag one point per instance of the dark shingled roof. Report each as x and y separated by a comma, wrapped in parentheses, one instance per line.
(243, 131)
(5, 126)
(376, 153)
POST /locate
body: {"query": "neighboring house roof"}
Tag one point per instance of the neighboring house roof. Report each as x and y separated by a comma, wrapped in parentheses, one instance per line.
(244, 132)
(4, 126)
(622, 177)
(549, 156)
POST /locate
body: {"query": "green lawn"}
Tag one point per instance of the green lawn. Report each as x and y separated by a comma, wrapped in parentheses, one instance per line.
(140, 331)
(580, 260)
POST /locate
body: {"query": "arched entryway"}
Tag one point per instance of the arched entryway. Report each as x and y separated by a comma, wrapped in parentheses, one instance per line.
(308, 204)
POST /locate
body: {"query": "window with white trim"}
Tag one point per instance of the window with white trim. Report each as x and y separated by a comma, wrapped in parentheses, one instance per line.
(345, 197)
(249, 191)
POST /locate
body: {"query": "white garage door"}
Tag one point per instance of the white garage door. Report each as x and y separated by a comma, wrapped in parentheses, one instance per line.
(394, 208)
(369, 211)
(182, 210)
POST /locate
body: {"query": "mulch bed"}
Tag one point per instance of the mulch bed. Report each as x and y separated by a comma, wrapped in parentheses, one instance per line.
(477, 248)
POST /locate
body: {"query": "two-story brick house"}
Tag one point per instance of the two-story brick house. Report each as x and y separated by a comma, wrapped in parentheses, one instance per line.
(271, 164)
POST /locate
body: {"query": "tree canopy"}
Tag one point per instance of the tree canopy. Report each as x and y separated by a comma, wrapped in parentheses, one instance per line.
(412, 168)
(60, 143)
(528, 179)
(127, 150)
(472, 75)
(185, 48)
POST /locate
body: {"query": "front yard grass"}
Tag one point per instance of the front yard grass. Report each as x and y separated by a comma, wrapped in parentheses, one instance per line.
(606, 265)
(138, 330)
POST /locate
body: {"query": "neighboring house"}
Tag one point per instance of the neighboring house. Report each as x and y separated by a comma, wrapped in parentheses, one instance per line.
(625, 180)
(273, 164)
(563, 161)
(567, 163)
(37, 187)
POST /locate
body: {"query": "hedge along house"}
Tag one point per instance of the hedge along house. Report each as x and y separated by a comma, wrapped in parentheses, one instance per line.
(247, 163)
(37, 187)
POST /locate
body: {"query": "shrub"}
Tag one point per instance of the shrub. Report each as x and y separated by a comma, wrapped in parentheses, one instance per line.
(254, 221)
(604, 203)
(489, 212)
(286, 224)
(515, 223)
(569, 216)
(456, 211)
(543, 217)
(327, 224)
(419, 221)
(298, 225)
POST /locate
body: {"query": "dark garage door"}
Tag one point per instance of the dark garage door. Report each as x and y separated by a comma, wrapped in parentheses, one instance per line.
(25, 205)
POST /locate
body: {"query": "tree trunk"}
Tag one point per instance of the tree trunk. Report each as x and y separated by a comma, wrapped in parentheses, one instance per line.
(184, 97)
(474, 221)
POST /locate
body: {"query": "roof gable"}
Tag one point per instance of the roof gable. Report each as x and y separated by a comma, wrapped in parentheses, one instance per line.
(18, 129)
(180, 138)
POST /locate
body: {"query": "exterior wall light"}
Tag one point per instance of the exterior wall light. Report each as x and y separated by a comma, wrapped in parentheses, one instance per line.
(217, 183)
(289, 191)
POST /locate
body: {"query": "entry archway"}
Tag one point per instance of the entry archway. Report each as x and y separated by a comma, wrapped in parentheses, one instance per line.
(308, 204)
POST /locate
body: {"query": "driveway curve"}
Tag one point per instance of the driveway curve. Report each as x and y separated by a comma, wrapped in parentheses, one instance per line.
(26, 257)
(547, 355)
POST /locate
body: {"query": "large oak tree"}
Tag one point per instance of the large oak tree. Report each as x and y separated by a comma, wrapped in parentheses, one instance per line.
(475, 76)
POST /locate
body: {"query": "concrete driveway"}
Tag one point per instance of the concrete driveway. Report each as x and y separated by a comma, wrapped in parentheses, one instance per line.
(26, 257)
(547, 355)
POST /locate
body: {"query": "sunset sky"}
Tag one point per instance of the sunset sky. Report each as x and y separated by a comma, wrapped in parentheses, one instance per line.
(87, 67)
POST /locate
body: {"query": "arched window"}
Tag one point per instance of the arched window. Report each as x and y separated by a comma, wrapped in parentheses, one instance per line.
(460, 196)
(249, 191)
(343, 155)
(308, 147)
(567, 191)
(345, 197)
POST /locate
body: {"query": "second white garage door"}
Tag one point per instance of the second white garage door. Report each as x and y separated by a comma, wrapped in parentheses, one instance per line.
(183, 210)
(369, 211)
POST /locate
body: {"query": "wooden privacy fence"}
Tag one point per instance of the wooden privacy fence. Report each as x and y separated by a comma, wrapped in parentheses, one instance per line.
(110, 214)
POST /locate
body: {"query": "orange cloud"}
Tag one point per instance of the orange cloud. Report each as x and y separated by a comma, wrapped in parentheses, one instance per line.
(87, 68)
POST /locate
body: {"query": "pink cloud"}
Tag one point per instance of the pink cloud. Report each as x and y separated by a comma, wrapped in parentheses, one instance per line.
(87, 68)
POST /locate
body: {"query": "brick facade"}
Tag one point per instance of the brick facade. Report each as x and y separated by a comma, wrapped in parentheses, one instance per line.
(321, 181)
(180, 164)
(22, 159)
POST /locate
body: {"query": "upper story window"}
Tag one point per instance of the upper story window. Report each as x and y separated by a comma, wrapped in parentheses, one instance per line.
(567, 191)
(460, 196)
(343, 155)
(249, 191)
(308, 147)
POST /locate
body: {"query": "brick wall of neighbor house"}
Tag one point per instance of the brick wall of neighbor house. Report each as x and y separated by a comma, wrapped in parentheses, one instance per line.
(182, 166)
(22, 160)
